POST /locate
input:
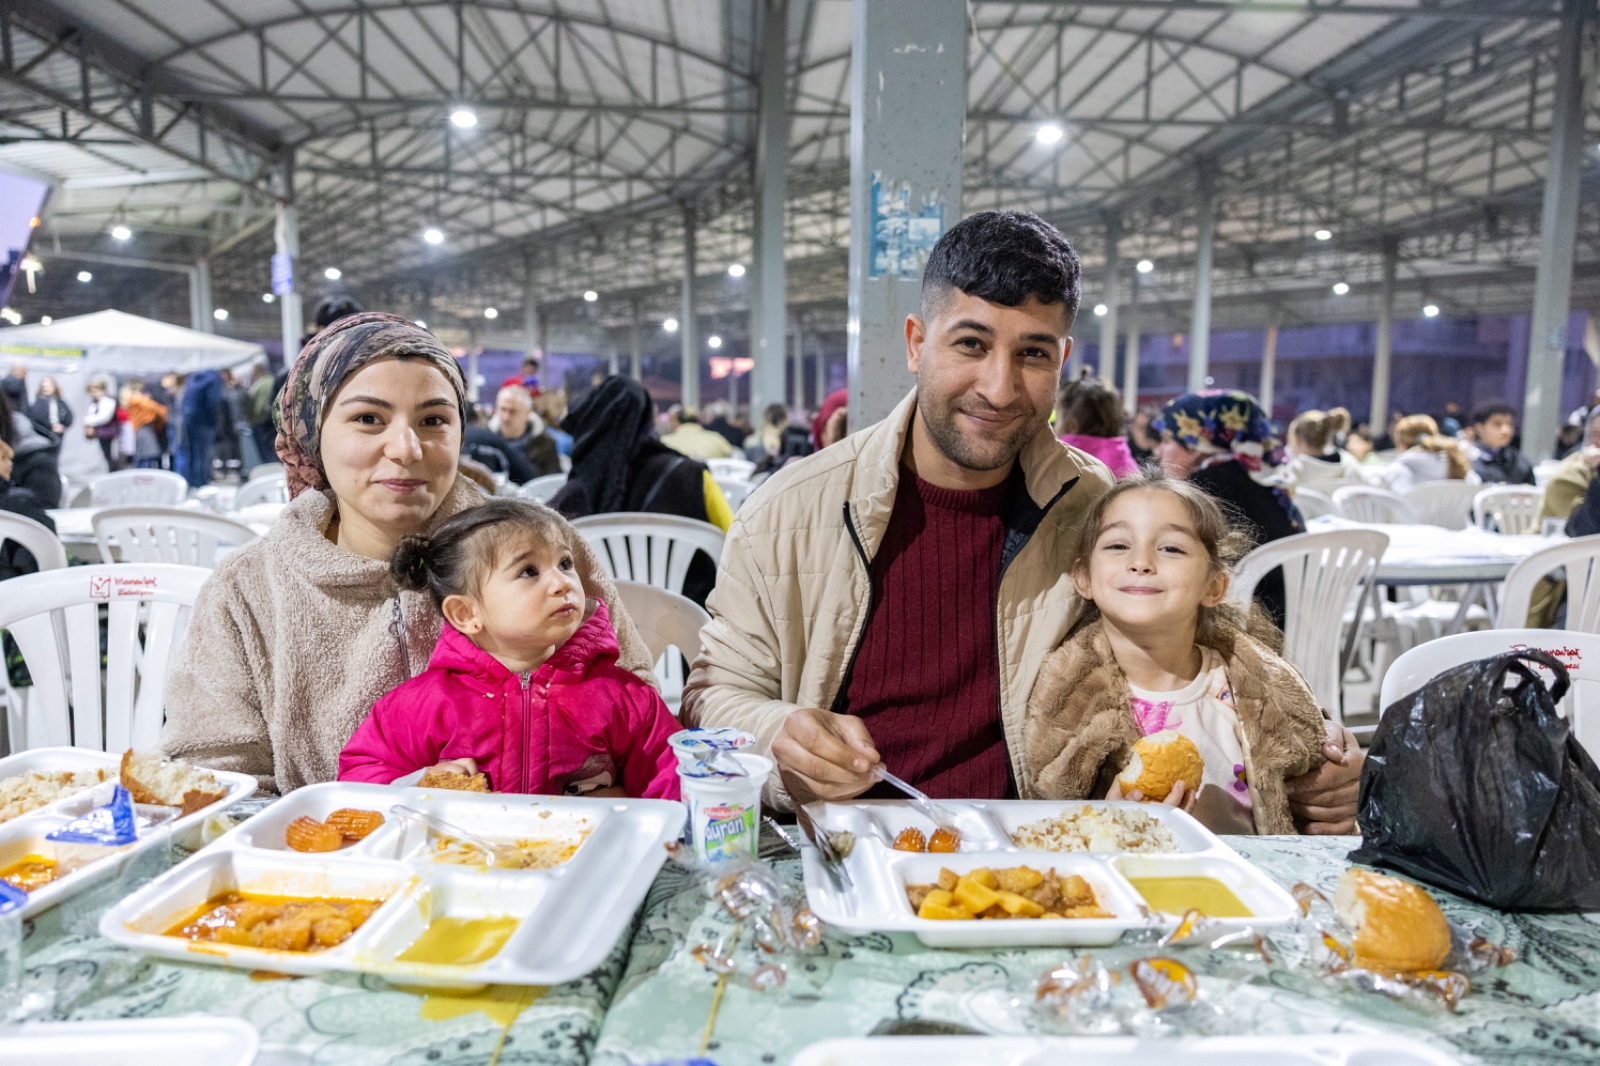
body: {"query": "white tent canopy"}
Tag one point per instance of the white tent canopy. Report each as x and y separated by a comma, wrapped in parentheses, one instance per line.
(115, 345)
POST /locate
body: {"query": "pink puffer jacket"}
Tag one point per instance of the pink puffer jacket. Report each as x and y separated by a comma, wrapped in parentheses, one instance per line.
(577, 723)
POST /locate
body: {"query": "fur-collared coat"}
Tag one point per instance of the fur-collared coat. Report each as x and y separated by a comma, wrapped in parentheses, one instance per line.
(1079, 729)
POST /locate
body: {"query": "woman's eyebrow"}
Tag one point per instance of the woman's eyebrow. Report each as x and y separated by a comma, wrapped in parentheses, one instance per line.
(373, 400)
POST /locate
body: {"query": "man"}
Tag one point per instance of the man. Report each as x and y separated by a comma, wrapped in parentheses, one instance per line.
(718, 422)
(528, 378)
(201, 411)
(689, 437)
(258, 412)
(890, 599)
(1494, 458)
(1570, 489)
(15, 387)
(518, 435)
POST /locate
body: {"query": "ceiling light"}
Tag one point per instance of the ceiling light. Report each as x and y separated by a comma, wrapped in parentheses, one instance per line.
(268, 298)
(333, 273)
(1049, 133)
(1340, 288)
(220, 314)
(84, 275)
(45, 320)
(421, 323)
(1100, 310)
(670, 325)
(463, 118)
(1145, 266)
(1430, 310)
(490, 312)
(590, 296)
(433, 236)
(121, 233)
(1323, 235)
(736, 270)
(714, 341)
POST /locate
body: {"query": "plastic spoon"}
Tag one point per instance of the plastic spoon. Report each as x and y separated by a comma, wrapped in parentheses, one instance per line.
(496, 855)
(974, 837)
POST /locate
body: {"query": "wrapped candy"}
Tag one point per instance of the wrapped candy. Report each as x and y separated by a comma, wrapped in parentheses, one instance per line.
(1156, 996)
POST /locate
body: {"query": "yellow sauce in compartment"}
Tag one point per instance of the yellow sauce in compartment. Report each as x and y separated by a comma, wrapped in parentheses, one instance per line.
(32, 873)
(1178, 895)
(460, 941)
(277, 923)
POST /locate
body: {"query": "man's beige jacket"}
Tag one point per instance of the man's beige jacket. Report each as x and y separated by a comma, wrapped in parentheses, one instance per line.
(793, 588)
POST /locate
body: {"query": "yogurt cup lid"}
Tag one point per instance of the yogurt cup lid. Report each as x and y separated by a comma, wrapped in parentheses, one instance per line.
(112, 825)
(12, 898)
(693, 741)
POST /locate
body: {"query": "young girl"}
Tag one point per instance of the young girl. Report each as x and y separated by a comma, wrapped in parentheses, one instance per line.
(1153, 647)
(523, 685)
(1089, 418)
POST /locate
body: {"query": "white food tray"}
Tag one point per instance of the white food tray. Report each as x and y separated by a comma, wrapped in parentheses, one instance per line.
(131, 1042)
(25, 834)
(880, 874)
(1301, 1049)
(570, 915)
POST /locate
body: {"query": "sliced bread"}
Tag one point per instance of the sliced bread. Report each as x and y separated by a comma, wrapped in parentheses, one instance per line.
(153, 778)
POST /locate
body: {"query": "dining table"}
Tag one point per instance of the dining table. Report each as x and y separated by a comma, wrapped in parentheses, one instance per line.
(75, 525)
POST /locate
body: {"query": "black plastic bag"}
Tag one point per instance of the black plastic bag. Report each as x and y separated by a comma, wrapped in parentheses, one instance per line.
(1478, 786)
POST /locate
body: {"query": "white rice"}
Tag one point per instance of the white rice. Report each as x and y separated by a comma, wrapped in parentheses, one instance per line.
(1109, 829)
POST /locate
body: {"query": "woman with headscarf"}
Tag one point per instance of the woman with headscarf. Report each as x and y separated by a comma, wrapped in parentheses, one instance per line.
(295, 636)
(1221, 441)
(619, 465)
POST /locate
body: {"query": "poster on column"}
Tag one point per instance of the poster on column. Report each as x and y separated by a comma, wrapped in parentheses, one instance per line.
(902, 234)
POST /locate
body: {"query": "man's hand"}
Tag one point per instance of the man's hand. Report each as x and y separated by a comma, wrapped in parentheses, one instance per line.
(1323, 801)
(833, 754)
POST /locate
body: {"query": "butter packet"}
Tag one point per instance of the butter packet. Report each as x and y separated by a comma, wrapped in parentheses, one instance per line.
(110, 826)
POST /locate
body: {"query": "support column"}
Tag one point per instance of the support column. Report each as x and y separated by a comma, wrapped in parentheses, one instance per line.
(1200, 322)
(799, 368)
(733, 390)
(474, 379)
(1108, 324)
(531, 332)
(769, 325)
(908, 102)
(635, 341)
(286, 261)
(1269, 367)
(822, 374)
(1383, 349)
(1130, 358)
(1558, 226)
(688, 333)
(200, 296)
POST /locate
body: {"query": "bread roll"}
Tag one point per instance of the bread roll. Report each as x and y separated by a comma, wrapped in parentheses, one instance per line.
(1398, 926)
(153, 778)
(1160, 761)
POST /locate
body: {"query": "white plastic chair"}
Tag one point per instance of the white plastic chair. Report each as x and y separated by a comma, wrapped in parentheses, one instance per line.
(651, 548)
(738, 469)
(1313, 503)
(1578, 652)
(45, 546)
(268, 489)
(735, 490)
(266, 470)
(1580, 558)
(543, 487)
(666, 621)
(1324, 575)
(150, 488)
(1443, 503)
(55, 619)
(166, 535)
(1508, 508)
(1361, 503)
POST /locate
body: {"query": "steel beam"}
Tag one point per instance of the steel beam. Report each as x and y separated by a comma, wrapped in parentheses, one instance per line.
(1383, 353)
(286, 241)
(769, 326)
(688, 331)
(1108, 322)
(1269, 368)
(1200, 319)
(1130, 359)
(200, 296)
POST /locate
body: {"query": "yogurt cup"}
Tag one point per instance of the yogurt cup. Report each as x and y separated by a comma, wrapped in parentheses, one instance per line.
(724, 811)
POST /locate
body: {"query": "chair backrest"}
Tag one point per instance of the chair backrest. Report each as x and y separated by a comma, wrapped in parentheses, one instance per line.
(1578, 652)
(166, 535)
(266, 470)
(543, 487)
(665, 621)
(1443, 503)
(1313, 503)
(45, 546)
(151, 488)
(651, 548)
(1362, 503)
(1580, 558)
(1323, 575)
(55, 619)
(735, 490)
(269, 489)
(730, 468)
(1508, 508)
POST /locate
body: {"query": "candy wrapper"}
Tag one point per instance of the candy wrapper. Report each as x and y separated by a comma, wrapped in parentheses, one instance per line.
(1153, 997)
(110, 826)
(771, 927)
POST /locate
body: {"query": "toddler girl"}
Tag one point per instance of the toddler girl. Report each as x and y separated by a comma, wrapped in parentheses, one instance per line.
(1154, 647)
(523, 685)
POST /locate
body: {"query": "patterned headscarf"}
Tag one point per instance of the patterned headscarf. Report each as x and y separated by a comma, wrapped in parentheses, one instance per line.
(1223, 425)
(330, 359)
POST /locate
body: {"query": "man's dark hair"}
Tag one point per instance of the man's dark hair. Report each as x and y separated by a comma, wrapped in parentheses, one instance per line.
(1003, 257)
(1489, 410)
(331, 309)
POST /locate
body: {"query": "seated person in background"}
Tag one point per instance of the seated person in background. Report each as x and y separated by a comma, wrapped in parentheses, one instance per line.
(1358, 443)
(1425, 455)
(1570, 489)
(689, 437)
(719, 420)
(1494, 458)
(767, 441)
(1089, 418)
(552, 407)
(1155, 648)
(15, 560)
(524, 685)
(519, 435)
(1142, 442)
(1315, 458)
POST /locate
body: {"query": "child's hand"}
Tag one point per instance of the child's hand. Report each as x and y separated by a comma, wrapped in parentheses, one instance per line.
(1180, 796)
(464, 767)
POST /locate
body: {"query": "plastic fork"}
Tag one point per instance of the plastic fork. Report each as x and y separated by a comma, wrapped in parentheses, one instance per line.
(496, 855)
(976, 837)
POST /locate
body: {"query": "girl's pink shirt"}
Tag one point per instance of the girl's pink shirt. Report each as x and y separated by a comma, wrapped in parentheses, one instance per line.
(1112, 451)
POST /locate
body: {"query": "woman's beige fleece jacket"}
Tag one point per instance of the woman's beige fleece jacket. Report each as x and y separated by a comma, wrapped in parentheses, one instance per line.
(292, 639)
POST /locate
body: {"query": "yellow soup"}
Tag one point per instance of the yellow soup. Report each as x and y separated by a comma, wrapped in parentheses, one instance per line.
(460, 941)
(1178, 895)
(32, 873)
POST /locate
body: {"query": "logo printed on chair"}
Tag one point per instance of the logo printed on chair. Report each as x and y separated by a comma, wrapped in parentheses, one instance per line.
(1571, 658)
(99, 588)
